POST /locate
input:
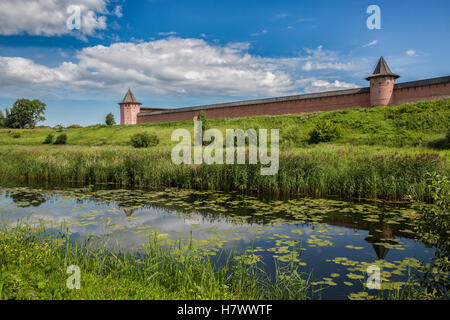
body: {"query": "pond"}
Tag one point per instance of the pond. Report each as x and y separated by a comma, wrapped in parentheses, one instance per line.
(333, 240)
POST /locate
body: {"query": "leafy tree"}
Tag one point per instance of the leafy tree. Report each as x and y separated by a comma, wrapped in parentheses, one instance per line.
(110, 121)
(2, 120)
(25, 114)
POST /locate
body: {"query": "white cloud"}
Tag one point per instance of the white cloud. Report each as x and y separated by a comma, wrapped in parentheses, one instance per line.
(48, 17)
(410, 53)
(175, 66)
(257, 34)
(118, 11)
(170, 33)
(372, 43)
(167, 66)
(316, 85)
(319, 59)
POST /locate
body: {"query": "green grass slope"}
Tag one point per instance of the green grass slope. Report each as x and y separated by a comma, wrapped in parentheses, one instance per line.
(415, 124)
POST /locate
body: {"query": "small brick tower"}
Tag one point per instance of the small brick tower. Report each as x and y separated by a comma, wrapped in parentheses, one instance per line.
(382, 83)
(129, 109)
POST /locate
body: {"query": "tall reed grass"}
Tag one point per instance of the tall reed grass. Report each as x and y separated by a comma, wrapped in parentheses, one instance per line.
(329, 171)
(34, 261)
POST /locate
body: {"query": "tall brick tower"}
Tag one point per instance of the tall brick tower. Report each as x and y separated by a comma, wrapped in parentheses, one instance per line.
(382, 83)
(129, 109)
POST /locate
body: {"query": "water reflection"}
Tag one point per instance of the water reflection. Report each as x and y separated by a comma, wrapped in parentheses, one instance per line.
(326, 229)
(380, 237)
(128, 212)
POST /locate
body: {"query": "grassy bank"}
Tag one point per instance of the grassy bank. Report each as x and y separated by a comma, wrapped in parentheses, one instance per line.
(33, 265)
(415, 124)
(343, 171)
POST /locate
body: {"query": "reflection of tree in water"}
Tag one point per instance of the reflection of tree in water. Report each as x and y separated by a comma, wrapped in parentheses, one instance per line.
(378, 237)
(25, 199)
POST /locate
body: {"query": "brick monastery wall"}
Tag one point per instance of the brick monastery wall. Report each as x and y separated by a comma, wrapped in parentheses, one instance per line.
(404, 92)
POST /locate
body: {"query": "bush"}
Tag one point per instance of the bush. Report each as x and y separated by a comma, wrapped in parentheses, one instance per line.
(16, 135)
(49, 139)
(441, 143)
(144, 140)
(291, 137)
(75, 126)
(59, 128)
(325, 131)
(110, 121)
(61, 139)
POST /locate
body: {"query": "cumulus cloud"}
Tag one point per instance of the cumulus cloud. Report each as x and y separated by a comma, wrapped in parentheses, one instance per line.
(175, 66)
(313, 85)
(320, 59)
(48, 18)
(410, 53)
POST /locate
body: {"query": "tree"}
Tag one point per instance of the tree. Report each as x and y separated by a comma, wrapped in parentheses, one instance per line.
(2, 120)
(110, 120)
(25, 114)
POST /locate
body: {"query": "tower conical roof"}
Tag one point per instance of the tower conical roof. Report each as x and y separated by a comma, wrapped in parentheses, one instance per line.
(382, 70)
(129, 98)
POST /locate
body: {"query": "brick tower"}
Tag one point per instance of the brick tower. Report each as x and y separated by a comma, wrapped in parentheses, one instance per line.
(129, 109)
(382, 83)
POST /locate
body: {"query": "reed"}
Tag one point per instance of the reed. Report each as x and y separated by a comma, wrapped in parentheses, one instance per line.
(34, 261)
(342, 171)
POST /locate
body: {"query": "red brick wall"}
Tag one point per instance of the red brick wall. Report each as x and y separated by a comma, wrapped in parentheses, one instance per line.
(428, 92)
(401, 95)
(276, 108)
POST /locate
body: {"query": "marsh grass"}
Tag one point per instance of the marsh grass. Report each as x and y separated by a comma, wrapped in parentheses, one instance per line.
(34, 260)
(326, 171)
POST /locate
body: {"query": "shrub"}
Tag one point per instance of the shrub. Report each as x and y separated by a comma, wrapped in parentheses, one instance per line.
(61, 139)
(49, 139)
(16, 135)
(144, 140)
(325, 131)
(441, 143)
(291, 137)
(75, 126)
(110, 121)
(59, 128)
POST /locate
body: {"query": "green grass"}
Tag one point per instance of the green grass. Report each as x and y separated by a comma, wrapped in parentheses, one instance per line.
(33, 265)
(412, 124)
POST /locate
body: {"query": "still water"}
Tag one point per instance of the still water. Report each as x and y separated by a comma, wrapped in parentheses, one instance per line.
(333, 240)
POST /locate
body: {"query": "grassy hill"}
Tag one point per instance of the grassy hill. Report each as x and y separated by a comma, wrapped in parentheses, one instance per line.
(409, 125)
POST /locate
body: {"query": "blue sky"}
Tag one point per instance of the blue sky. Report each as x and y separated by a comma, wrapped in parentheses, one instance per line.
(183, 53)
